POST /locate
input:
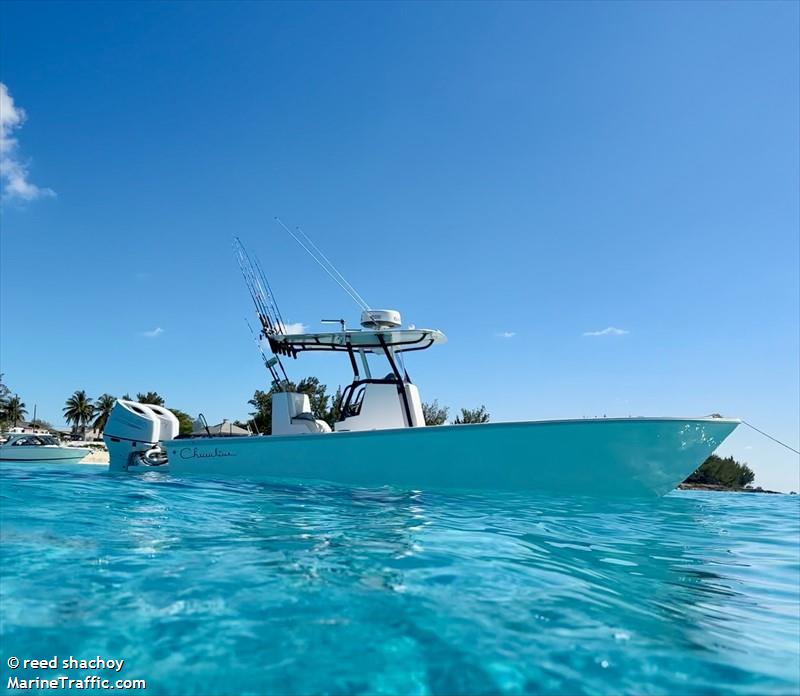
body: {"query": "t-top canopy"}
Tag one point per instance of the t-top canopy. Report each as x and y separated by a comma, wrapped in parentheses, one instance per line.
(398, 340)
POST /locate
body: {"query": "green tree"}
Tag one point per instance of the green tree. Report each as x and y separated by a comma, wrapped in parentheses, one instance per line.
(103, 408)
(725, 472)
(5, 395)
(472, 415)
(14, 410)
(434, 414)
(150, 397)
(78, 411)
(262, 416)
(335, 411)
(185, 421)
(42, 424)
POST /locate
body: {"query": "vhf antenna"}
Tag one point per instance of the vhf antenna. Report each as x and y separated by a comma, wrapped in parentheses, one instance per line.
(325, 263)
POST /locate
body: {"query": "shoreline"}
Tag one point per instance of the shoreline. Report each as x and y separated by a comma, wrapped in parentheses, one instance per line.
(96, 456)
(724, 489)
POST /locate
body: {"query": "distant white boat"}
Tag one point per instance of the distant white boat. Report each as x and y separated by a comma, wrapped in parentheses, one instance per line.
(28, 447)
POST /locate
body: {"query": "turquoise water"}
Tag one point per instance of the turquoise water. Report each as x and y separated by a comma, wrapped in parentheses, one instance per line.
(211, 587)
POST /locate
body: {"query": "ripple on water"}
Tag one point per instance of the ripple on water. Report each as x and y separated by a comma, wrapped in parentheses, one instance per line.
(214, 586)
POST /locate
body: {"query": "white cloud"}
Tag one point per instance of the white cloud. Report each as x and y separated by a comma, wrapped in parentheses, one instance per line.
(152, 334)
(14, 172)
(296, 328)
(506, 334)
(609, 331)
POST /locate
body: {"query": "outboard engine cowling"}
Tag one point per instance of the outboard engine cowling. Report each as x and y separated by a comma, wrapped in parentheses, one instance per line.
(169, 425)
(132, 430)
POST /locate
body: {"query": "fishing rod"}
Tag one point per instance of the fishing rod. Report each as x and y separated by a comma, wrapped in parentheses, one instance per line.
(270, 295)
(266, 307)
(247, 275)
(264, 293)
(269, 315)
(269, 363)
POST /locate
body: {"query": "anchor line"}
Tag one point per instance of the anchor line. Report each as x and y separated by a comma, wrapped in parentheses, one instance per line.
(774, 439)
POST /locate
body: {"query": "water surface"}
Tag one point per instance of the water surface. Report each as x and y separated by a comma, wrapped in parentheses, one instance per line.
(232, 587)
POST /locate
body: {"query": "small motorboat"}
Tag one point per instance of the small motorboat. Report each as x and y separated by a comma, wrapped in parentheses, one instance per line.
(41, 448)
(381, 437)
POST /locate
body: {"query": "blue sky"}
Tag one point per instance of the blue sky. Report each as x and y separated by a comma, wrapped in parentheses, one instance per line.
(542, 170)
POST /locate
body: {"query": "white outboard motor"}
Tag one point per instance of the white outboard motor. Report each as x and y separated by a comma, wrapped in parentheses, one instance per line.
(133, 431)
(169, 425)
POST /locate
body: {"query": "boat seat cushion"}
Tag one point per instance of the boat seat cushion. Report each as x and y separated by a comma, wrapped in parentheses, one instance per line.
(314, 425)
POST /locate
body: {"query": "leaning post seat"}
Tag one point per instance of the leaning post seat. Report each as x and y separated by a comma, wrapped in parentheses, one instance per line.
(291, 415)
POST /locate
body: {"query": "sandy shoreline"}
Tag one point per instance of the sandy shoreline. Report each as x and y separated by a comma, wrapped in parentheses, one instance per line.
(95, 457)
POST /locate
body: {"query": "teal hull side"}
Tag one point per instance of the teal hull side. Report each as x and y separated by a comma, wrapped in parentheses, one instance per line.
(608, 457)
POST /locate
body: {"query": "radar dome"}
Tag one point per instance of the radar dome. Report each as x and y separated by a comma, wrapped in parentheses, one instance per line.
(380, 319)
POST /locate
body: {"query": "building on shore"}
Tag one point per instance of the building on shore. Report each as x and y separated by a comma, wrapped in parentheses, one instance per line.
(224, 429)
(88, 434)
(31, 428)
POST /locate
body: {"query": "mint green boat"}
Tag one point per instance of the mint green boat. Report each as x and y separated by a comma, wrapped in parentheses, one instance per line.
(605, 457)
(381, 438)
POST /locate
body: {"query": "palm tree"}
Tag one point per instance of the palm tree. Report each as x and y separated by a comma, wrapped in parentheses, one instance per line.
(14, 409)
(5, 395)
(150, 398)
(78, 410)
(102, 410)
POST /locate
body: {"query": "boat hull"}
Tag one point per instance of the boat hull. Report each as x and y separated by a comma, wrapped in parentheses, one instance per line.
(42, 454)
(608, 457)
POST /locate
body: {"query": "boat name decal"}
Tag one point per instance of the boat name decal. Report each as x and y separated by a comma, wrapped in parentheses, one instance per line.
(194, 453)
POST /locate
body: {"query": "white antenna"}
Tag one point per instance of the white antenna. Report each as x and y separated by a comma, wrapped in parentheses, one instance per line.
(326, 265)
(331, 266)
